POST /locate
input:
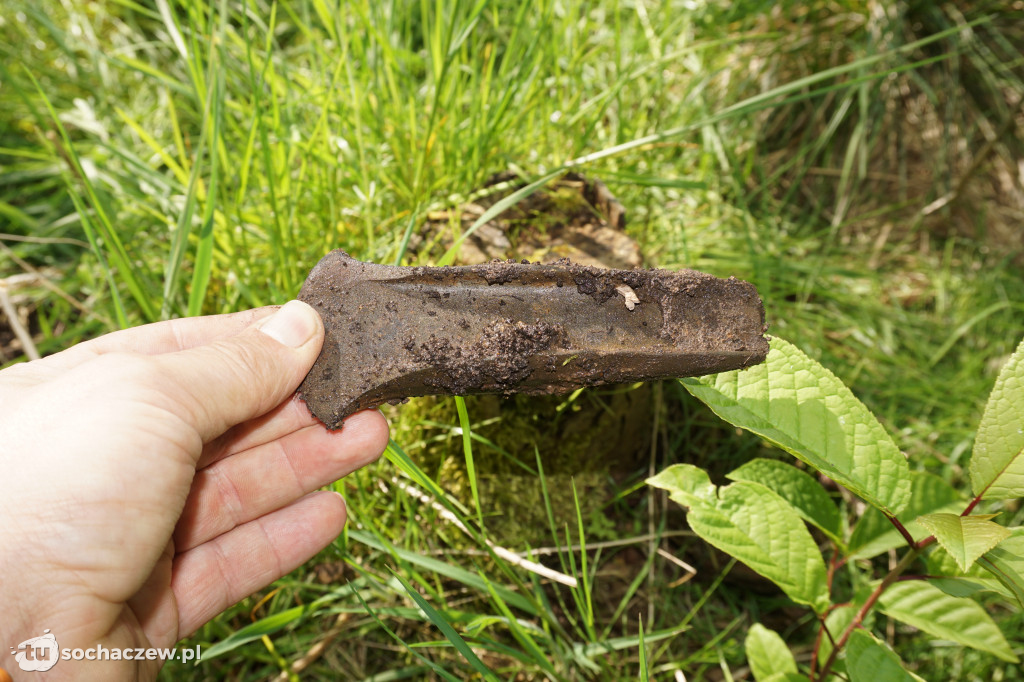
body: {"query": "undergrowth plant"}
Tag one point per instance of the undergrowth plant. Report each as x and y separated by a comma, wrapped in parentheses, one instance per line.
(781, 520)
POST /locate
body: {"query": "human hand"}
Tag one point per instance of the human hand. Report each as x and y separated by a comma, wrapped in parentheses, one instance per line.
(155, 476)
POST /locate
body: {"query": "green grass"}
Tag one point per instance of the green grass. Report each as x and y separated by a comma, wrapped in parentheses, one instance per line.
(196, 158)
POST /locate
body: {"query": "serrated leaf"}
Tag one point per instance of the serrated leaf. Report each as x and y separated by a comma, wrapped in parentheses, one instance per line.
(945, 574)
(931, 610)
(797, 487)
(868, 660)
(767, 653)
(797, 404)
(753, 524)
(965, 537)
(875, 534)
(1006, 563)
(997, 462)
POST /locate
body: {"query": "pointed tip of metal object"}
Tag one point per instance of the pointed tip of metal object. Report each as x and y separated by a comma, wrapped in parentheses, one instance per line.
(505, 327)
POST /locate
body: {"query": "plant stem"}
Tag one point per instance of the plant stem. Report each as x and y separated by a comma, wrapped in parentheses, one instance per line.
(888, 580)
(924, 543)
(833, 565)
(971, 506)
(902, 529)
(817, 646)
(823, 632)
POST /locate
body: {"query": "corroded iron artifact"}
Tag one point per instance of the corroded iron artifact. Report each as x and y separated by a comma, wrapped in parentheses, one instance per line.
(508, 327)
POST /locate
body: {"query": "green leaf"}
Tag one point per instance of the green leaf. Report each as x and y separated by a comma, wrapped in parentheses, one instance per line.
(277, 621)
(945, 574)
(259, 629)
(930, 610)
(797, 487)
(997, 464)
(442, 623)
(874, 533)
(520, 633)
(767, 653)
(645, 673)
(797, 404)
(1006, 563)
(588, 650)
(965, 537)
(868, 660)
(753, 524)
(445, 569)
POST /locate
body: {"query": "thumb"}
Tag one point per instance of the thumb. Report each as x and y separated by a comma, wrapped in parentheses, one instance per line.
(235, 379)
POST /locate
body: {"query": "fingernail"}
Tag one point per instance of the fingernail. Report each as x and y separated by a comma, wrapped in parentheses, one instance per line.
(293, 325)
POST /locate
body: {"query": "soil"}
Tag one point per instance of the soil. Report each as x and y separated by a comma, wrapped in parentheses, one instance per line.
(496, 362)
(574, 217)
(9, 346)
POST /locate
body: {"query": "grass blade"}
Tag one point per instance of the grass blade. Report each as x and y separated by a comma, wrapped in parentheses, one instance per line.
(467, 449)
(442, 623)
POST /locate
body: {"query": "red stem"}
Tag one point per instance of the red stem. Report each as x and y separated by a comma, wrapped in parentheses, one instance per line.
(924, 543)
(902, 529)
(817, 645)
(971, 506)
(893, 575)
(833, 564)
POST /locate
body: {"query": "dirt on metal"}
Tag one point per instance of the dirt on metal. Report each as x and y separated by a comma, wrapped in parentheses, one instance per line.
(517, 327)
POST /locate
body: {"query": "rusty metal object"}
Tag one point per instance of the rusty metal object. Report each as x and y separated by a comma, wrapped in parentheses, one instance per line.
(507, 327)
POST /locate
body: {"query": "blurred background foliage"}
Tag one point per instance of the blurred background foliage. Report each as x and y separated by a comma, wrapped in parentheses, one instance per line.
(860, 161)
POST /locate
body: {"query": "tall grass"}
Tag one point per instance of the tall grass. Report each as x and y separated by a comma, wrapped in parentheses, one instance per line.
(198, 157)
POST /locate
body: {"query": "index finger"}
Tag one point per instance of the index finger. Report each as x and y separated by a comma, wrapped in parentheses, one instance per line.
(157, 338)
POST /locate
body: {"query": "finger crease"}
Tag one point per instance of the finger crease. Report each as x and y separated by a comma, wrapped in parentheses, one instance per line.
(230, 496)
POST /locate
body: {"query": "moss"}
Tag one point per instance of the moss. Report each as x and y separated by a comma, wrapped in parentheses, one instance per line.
(588, 439)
